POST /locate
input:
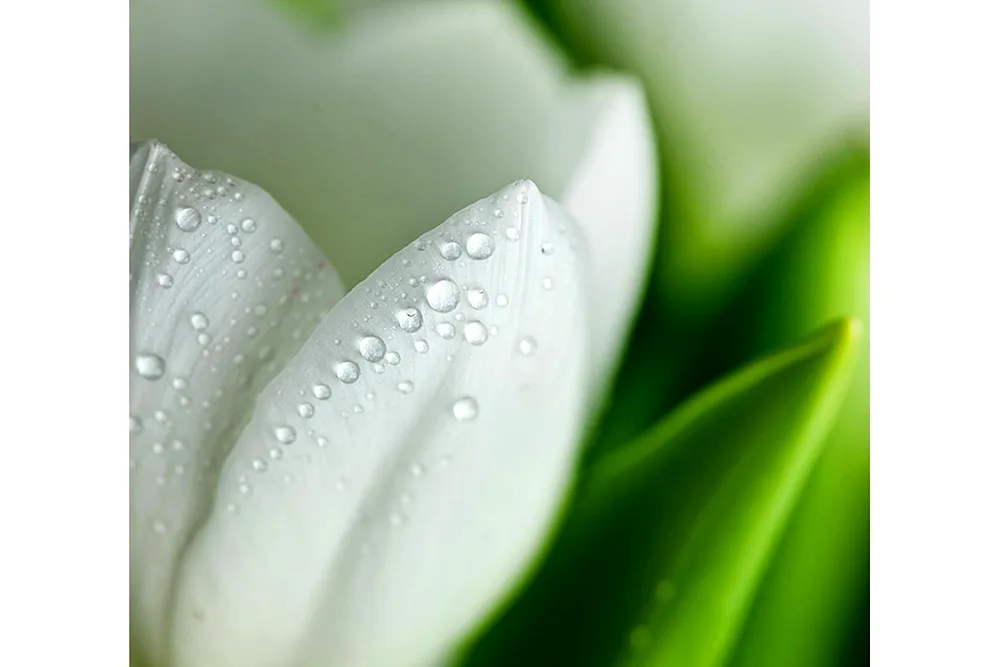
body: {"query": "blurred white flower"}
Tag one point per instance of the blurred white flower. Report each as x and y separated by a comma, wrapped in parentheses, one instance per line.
(321, 479)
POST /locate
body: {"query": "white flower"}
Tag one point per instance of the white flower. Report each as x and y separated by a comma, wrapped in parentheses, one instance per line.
(321, 479)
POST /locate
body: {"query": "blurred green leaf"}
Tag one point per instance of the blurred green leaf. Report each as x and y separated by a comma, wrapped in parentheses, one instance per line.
(316, 13)
(815, 593)
(662, 552)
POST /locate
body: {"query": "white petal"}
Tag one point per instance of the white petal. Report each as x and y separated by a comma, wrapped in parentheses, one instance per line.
(401, 508)
(748, 97)
(225, 288)
(399, 118)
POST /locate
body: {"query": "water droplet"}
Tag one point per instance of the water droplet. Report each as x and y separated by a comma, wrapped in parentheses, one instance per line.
(527, 346)
(179, 384)
(150, 366)
(421, 346)
(164, 280)
(322, 391)
(405, 387)
(497, 213)
(358, 409)
(204, 339)
(260, 465)
(451, 250)
(159, 527)
(248, 225)
(277, 245)
(548, 248)
(465, 409)
(182, 256)
(512, 233)
(475, 332)
(238, 256)
(547, 283)
(442, 296)
(446, 330)
(134, 424)
(372, 348)
(409, 319)
(502, 300)
(417, 469)
(275, 454)
(480, 246)
(188, 219)
(392, 358)
(306, 410)
(199, 321)
(285, 434)
(522, 198)
(347, 372)
(157, 448)
(244, 488)
(395, 519)
(322, 442)
(478, 298)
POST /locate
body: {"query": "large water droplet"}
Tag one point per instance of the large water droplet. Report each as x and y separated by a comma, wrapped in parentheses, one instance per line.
(372, 348)
(527, 346)
(306, 410)
(480, 246)
(421, 346)
(392, 358)
(164, 280)
(248, 225)
(409, 319)
(238, 256)
(442, 296)
(347, 372)
(475, 332)
(465, 409)
(187, 218)
(182, 256)
(322, 391)
(478, 298)
(446, 330)
(451, 250)
(285, 434)
(150, 366)
(199, 321)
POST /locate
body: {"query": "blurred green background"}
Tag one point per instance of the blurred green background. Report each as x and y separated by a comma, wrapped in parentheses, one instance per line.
(722, 509)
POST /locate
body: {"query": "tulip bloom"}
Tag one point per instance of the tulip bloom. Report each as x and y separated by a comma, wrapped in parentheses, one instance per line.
(360, 479)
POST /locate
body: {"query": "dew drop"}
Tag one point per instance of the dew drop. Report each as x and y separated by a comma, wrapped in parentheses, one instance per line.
(421, 346)
(465, 409)
(260, 465)
(478, 298)
(347, 372)
(475, 332)
(248, 225)
(527, 346)
(446, 330)
(480, 246)
(451, 250)
(199, 321)
(442, 296)
(134, 424)
(497, 213)
(512, 233)
(306, 410)
(522, 198)
(150, 366)
(276, 454)
(285, 434)
(417, 469)
(277, 245)
(180, 384)
(502, 301)
(547, 283)
(409, 319)
(548, 248)
(372, 348)
(392, 358)
(187, 218)
(182, 256)
(405, 387)
(164, 280)
(322, 391)
(238, 256)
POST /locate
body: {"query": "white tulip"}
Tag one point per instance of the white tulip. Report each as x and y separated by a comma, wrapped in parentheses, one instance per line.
(321, 479)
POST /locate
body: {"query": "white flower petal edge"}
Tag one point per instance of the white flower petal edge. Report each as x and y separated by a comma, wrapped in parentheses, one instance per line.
(225, 288)
(348, 122)
(397, 475)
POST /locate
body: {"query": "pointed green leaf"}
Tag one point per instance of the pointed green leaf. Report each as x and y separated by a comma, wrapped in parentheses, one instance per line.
(664, 548)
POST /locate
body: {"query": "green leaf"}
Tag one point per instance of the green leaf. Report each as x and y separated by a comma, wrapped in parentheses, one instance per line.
(321, 14)
(814, 596)
(668, 539)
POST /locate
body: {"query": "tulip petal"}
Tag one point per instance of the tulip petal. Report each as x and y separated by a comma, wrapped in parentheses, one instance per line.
(404, 468)
(405, 113)
(225, 288)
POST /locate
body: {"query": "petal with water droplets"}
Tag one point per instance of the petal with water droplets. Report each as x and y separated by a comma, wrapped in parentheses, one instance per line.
(406, 502)
(225, 288)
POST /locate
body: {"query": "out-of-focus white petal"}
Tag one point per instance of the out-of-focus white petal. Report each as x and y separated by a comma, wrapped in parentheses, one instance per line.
(748, 96)
(398, 475)
(225, 288)
(402, 115)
